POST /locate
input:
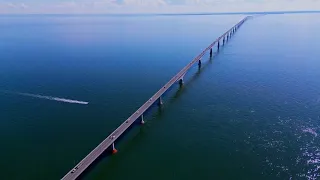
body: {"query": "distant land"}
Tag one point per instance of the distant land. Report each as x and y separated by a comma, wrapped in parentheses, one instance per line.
(171, 14)
(232, 13)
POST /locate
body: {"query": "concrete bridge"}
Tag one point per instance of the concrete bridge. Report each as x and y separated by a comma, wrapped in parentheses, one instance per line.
(75, 172)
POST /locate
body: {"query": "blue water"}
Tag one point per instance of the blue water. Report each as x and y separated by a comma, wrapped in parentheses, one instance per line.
(251, 112)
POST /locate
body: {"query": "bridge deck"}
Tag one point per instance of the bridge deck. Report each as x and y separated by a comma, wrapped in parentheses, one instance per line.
(106, 143)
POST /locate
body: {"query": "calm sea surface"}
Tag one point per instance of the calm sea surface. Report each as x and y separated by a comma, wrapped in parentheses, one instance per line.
(252, 112)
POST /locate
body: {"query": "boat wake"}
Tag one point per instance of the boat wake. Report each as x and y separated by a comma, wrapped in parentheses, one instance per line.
(49, 98)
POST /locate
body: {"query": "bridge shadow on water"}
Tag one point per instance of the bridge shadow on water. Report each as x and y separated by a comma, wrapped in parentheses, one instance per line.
(130, 137)
(155, 111)
(194, 77)
(133, 135)
(124, 143)
(181, 88)
(136, 134)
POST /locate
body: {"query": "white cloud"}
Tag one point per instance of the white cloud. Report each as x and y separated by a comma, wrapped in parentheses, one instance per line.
(11, 5)
(24, 6)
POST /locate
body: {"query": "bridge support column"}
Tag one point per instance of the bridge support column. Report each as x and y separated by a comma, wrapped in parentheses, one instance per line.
(211, 52)
(223, 40)
(160, 101)
(142, 121)
(199, 63)
(114, 150)
(218, 44)
(181, 82)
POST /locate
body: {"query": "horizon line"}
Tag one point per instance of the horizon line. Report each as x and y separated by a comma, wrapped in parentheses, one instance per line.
(169, 14)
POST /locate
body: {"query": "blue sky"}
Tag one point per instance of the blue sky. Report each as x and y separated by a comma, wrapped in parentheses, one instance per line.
(152, 6)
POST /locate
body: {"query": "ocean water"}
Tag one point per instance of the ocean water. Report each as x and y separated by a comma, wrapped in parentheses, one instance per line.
(251, 112)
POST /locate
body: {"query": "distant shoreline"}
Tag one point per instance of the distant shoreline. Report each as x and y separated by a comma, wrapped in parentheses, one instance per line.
(171, 14)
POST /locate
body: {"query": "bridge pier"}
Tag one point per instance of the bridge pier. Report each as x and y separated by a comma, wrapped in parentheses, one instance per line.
(199, 63)
(181, 82)
(160, 103)
(211, 52)
(114, 150)
(142, 121)
(223, 39)
(218, 44)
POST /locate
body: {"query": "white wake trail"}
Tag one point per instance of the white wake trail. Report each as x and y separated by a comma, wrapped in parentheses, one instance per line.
(49, 98)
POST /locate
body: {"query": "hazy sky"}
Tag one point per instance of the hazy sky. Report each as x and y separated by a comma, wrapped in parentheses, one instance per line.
(153, 6)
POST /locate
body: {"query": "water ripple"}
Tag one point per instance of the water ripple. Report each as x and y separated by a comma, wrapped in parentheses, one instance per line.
(291, 147)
